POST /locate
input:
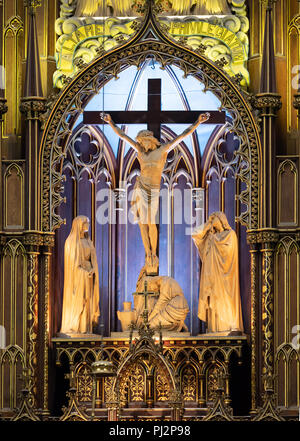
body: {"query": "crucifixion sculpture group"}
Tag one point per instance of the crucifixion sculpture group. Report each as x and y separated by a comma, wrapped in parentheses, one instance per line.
(152, 155)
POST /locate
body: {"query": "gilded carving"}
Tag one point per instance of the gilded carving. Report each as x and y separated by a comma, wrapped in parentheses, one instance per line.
(137, 383)
(47, 258)
(189, 384)
(162, 388)
(268, 308)
(262, 236)
(225, 39)
(34, 239)
(129, 387)
(32, 4)
(33, 107)
(74, 411)
(3, 107)
(212, 381)
(108, 384)
(49, 240)
(254, 321)
(26, 411)
(84, 383)
(219, 409)
(268, 100)
(32, 317)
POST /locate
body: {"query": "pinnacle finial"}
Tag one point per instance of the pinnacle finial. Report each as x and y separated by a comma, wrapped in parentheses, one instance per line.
(32, 5)
(268, 3)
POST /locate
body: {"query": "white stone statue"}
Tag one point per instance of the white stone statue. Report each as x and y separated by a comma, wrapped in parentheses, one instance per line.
(219, 297)
(81, 281)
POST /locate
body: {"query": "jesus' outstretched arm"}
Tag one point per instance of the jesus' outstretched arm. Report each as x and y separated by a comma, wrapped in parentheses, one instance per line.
(172, 144)
(107, 118)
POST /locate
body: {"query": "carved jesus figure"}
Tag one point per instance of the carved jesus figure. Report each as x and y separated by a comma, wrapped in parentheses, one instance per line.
(152, 156)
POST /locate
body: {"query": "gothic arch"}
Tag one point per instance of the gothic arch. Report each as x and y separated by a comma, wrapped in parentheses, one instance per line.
(149, 42)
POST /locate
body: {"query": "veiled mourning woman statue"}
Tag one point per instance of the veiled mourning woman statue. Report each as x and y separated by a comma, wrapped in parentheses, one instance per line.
(81, 281)
(219, 297)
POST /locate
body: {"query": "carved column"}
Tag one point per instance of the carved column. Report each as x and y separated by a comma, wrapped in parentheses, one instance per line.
(252, 240)
(227, 399)
(48, 243)
(150, 390)
(3, 110)
(202, 398)
(113, 412)
(32, 243)
(176, 404)
(268, 240)
(177, 411)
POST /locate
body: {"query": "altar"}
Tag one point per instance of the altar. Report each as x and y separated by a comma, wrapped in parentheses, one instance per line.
(146, 390)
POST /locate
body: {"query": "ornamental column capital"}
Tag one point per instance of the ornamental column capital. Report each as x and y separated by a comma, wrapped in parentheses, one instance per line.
(33, 107)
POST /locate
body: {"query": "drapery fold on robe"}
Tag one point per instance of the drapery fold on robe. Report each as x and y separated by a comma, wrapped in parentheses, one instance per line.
(169, 308)
(219, 278)
(81, 292)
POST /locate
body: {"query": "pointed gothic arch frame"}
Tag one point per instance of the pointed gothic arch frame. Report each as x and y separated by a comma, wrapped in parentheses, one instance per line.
(150, 41)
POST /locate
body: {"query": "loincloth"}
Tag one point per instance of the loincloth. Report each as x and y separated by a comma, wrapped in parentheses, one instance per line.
(145, 202)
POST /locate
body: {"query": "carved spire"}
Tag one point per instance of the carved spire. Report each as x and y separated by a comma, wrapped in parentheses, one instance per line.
(33, 106)
(268, 73)
(33, 83)
(268, 101)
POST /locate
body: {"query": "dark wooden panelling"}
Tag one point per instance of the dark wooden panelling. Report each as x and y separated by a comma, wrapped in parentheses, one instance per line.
(287, 210)
(14, 204)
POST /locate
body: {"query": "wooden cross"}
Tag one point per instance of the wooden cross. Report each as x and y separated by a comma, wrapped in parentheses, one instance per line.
(154, 116)
(146, 294)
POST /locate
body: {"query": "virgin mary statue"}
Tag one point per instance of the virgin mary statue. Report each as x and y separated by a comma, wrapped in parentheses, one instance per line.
(81, 281)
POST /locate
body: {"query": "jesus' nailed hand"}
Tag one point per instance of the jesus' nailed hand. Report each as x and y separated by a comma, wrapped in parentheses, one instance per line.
(145, 139)
(152, 156)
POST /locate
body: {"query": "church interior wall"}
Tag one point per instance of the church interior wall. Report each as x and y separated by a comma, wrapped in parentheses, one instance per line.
(18, 251)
